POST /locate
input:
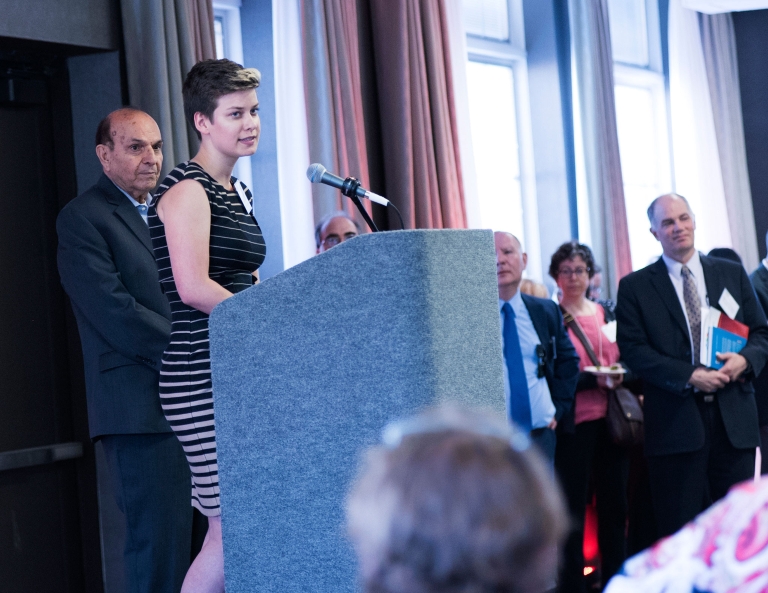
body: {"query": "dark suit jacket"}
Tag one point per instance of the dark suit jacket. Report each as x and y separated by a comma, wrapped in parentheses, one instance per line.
(759, 280)
(108, 269)
(562, 369)
(654, 341)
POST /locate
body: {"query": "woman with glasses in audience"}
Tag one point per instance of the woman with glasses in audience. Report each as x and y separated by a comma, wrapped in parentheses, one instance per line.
(585, 454)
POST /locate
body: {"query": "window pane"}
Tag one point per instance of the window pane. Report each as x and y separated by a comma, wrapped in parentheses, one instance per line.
(629, 31)
(487, 18)
(494, 138)
(636, 123)
(218, 32)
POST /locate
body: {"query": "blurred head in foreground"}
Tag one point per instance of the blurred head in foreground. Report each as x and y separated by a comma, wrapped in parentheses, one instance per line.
(455, 501)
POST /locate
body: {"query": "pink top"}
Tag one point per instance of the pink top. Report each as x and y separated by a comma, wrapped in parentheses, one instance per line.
(592, 404)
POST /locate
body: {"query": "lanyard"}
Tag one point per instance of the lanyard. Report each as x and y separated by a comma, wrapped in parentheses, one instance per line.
(240, 189)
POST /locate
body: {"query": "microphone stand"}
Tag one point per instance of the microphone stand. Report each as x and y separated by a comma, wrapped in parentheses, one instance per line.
(349, 189)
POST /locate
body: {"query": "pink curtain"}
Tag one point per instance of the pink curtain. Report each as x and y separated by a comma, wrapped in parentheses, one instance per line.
(419, 135)
(201, 29)
(334, 99)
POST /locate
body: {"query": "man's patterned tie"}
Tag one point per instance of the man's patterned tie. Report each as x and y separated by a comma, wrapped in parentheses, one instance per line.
(693, 308)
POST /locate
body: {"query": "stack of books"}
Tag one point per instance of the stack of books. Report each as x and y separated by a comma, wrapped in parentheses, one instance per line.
(720, 334)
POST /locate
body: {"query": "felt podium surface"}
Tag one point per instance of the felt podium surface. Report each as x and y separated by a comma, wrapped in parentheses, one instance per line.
(309, 367)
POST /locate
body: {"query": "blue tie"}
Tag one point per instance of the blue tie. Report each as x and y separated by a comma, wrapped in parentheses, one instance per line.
(519, 399)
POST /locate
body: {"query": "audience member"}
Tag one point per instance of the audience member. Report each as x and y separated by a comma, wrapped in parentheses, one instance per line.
(455, 502)
(725, 253)
(541, 365)
(532, 288)
(108, 271)
(585, 452)
(335, 228)
(725, 550)
(701, 425)
(595, 290)
(759, 280)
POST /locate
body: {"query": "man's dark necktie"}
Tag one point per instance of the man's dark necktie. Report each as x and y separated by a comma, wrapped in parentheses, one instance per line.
(693, 308)
(519, 400)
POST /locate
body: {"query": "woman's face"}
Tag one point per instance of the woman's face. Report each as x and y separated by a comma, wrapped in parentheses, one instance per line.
(573, 277)
(235, 126)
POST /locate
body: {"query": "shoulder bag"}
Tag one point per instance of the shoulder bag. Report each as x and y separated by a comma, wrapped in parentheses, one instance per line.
(624, 418)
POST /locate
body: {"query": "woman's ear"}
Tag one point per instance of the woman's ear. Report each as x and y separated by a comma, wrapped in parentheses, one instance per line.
(202, 123)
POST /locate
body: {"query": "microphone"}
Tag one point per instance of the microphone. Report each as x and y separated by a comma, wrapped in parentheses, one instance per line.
(349, 186)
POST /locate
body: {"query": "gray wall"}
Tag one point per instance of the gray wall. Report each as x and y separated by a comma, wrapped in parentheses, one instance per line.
(85, 23)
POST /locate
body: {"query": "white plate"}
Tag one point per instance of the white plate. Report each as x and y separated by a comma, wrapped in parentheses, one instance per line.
(604, 370)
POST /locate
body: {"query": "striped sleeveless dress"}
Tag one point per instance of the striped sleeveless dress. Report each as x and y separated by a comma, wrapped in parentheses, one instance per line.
(236, 250)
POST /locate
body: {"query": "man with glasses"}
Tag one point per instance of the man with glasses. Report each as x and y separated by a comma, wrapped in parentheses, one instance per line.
(541, 364)
(333, 229)
(701, 425)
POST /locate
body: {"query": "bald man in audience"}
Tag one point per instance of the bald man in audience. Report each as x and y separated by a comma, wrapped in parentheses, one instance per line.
(701, 423)
(541, 364)
(335, 228)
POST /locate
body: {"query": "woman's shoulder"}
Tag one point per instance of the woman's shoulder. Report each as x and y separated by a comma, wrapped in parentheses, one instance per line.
(186, 171)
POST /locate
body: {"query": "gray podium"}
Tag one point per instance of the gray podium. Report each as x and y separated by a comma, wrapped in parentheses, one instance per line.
(309, 366)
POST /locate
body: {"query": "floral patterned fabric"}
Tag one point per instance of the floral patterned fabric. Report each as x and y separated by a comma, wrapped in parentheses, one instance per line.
(723, 550)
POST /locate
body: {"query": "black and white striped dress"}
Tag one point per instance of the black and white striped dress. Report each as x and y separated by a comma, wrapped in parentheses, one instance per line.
(237, 249)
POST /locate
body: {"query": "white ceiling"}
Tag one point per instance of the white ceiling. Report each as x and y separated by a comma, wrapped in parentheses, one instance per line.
(715, 6)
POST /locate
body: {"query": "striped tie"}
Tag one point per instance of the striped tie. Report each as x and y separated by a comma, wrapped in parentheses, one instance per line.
(693, 308)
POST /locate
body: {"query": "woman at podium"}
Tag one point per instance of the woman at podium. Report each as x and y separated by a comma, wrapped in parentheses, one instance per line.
(208, 246)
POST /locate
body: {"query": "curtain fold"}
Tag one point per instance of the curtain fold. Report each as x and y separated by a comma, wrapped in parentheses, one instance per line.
(698, 174)
(594, 68)
(415, 92)
(332, 81)
(718, 41)
(201, 29)
(159, 51)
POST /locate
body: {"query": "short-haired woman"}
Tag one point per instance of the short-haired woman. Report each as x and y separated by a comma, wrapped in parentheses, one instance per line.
(584, 451)
(456, 502)
(208, 246)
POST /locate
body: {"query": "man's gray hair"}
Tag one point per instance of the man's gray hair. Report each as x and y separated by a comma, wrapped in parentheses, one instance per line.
(652, 208)
(328, 218)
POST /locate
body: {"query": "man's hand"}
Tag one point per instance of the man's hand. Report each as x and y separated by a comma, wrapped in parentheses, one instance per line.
(552, 425)
(735, 364)
(709, 380)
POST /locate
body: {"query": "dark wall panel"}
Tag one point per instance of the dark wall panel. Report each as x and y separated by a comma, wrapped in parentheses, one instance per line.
(95, 91)
(84, 23)
(752, 47)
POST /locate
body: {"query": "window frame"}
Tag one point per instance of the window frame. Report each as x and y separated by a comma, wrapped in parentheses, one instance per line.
(511, 53)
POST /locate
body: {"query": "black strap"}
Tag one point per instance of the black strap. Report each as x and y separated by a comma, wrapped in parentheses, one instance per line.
(572, 324)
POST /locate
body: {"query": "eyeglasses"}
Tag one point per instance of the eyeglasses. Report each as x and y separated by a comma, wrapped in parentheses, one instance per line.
(567, 272)
(333, 240)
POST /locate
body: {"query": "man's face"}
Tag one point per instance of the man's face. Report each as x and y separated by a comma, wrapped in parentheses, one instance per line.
(134, 162)
(674, 226)
(338, 230)
(510, 261)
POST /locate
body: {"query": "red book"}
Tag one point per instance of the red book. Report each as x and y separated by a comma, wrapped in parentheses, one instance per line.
(733, 326)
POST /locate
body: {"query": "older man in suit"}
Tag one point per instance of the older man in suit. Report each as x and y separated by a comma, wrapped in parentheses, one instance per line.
(108, 270)
(759, 280)
(701, 425)
(541, 364)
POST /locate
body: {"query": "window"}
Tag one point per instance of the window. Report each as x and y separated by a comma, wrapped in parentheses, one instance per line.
(500, 120)
(641, 119)
(229, 44)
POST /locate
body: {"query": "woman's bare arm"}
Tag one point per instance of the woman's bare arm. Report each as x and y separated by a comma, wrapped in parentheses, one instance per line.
(186, 214)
